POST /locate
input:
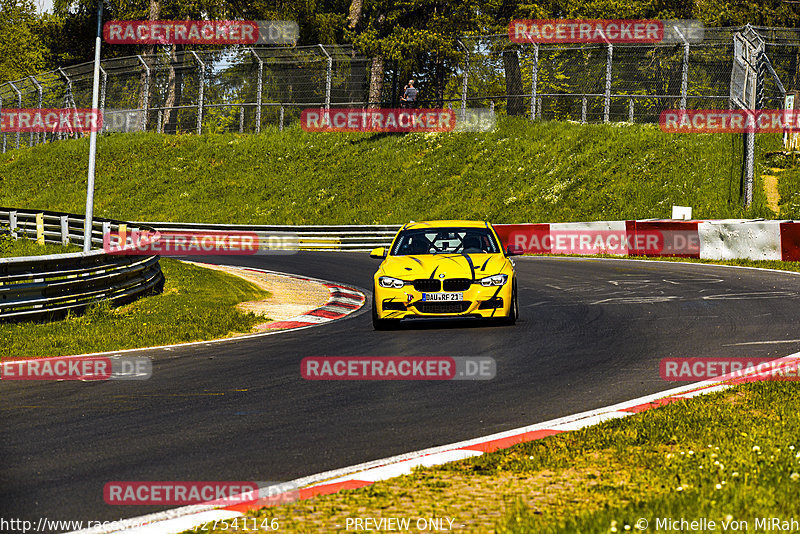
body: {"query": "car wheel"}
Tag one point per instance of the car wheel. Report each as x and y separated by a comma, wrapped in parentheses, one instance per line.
(513, 313)
(381, 324)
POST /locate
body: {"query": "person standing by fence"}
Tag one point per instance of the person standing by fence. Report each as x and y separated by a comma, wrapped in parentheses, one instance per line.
(410, 95)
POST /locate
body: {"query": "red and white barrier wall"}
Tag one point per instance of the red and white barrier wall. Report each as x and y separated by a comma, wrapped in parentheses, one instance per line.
(717, 240)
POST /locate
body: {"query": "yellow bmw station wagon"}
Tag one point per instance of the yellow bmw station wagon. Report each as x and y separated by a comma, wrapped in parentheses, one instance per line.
(444, 269)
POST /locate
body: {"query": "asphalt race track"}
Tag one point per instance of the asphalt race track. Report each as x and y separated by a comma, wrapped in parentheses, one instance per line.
(591, 333)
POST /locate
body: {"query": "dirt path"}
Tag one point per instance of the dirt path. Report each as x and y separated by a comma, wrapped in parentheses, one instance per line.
(289, 297)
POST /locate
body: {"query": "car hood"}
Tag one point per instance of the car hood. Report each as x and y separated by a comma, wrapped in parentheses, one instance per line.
(473, 266)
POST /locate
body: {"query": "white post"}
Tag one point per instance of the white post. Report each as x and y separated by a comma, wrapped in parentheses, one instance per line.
(87, 223)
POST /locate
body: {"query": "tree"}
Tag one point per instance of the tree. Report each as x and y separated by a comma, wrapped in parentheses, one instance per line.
(22, 52)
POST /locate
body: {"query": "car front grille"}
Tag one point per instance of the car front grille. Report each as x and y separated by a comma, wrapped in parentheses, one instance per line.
(457, 284)
(427, 285)
(442, 307)
(393, 305)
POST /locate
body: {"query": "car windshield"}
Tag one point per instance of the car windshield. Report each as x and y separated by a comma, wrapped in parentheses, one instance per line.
(445, 241)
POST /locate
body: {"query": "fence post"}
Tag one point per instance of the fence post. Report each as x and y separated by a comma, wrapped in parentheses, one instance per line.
(583, 110)
(200, 87)
(67, 97)
(4, 134)
(146, 89)
(39, 91)
(241, 119)
(607, 103)
(630, 109)
(685, 75)
(534, 79)
(465, 83)
(328, 78)
(258, 89)
(103, 90)
(160, 119)
(19, 105)
(281, 127)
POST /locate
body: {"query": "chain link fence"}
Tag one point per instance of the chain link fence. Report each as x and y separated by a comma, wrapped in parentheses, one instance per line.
(245, 89)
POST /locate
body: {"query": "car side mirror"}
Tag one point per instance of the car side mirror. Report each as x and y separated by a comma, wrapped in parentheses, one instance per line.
(515, 250)
(378, 253)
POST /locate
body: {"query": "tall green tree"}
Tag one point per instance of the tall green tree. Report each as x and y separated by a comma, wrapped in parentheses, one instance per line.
(22, 52)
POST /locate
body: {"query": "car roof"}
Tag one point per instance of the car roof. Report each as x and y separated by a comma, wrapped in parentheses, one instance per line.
(445, 224)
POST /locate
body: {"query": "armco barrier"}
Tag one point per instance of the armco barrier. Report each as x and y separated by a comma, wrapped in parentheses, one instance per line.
(46, 286)
(357, 238)
(720, 239)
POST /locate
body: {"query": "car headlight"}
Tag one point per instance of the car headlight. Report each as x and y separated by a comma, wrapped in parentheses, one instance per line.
(496, 280)
(388, 281)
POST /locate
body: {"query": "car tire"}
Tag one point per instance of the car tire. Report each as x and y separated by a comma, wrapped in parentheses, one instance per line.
(381, 324)
(513, 313)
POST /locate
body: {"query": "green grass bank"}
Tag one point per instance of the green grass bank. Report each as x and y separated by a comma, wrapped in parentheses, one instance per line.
(521, 172)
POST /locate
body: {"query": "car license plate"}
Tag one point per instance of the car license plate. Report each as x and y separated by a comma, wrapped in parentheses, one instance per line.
(442, 297)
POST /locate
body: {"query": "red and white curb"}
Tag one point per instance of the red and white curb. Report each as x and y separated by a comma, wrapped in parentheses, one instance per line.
(342, 302)
(357, 476)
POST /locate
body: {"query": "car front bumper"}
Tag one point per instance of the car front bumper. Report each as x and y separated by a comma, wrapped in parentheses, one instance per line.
(478, 301)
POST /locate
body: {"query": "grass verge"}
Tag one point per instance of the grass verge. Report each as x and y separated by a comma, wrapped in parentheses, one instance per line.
(10, 247)
(728, 456)
(522, 172)
(731, 457)
(197, 304)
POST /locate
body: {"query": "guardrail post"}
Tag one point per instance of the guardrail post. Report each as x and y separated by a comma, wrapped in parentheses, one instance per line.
(534, 79)
(123, 235)
(146, 89)
(607, 103)
(40, 228)
(200, 92)
(19, 104)
(12, 223)
(65, 230)
(259, 87)
(328, 78)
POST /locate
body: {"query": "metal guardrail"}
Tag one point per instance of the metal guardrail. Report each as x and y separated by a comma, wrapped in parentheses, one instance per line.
(356, 238)
(49, 286)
